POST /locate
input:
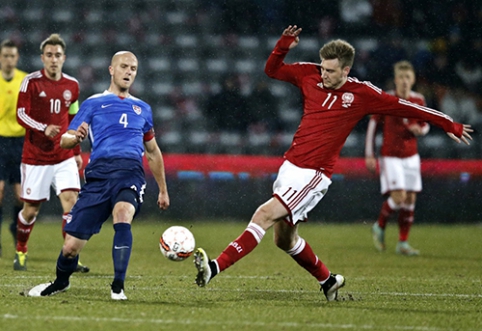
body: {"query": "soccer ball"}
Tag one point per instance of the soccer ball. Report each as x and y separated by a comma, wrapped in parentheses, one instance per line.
(177, 243)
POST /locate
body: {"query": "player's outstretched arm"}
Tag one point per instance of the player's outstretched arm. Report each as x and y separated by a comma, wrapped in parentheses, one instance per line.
(156, 164)
(72, 138)
(465, 135)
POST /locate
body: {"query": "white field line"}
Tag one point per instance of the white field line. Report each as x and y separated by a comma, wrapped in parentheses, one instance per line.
(358, 279)
(141, 321)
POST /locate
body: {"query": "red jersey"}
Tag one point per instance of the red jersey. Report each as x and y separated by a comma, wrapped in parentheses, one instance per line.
(330, 115)
(41, 102)
(398, 140)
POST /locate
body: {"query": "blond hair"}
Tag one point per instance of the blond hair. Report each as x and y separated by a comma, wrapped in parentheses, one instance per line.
(338, 49)
(403, 65)
(54, 39)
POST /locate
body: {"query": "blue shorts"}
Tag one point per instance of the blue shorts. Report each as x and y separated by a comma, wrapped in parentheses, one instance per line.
(10, 159)
(97, 199)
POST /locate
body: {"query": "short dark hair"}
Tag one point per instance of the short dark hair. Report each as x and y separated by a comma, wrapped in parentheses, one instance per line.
(54, 39)
(338, 49)
(7, 43)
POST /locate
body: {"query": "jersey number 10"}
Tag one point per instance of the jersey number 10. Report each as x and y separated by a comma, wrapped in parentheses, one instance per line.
(55, 105)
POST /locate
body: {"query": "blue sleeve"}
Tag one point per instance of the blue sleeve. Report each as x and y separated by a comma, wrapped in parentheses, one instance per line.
(149, 122)
(83, 115)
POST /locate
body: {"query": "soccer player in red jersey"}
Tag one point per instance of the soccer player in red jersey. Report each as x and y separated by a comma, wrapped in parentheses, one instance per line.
(400, 175)
(47, 102)
(333, 103)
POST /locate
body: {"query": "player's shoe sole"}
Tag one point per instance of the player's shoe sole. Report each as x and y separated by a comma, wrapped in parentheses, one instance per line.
(332, 285)
(20, 261)
(47, 289)
(201, 261)
(378, 235)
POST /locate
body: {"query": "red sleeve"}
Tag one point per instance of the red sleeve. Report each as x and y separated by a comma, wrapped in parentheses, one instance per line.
(385, 104)
(149, 135)
(291, 73)
(371, 134)
(24, 108)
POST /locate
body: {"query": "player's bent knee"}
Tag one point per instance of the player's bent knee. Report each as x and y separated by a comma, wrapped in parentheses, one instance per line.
(282, 243)
(70, 251)
(263, 217)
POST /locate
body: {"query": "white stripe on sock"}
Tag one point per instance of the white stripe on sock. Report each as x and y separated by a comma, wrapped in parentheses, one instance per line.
(256, 231)
(298, 247)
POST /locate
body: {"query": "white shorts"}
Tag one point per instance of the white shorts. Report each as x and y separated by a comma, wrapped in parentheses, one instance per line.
(400, 174)
(299, 190)
(37, 179)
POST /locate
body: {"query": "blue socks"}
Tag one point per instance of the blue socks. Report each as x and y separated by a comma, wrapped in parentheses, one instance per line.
(121, 250)
(65, 268)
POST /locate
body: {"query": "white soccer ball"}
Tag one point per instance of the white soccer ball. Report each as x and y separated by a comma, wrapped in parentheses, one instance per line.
(177, 243)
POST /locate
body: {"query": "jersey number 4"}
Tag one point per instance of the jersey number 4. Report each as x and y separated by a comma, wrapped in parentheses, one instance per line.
(123, 120)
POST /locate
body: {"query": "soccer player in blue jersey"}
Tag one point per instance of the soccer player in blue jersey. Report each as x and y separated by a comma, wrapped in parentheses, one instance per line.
(120, 129)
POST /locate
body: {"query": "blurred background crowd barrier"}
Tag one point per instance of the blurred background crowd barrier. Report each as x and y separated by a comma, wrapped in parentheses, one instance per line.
(201, 69)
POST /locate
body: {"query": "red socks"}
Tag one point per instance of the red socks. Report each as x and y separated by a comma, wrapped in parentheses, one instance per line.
(304, 256)
(405, 221)
(251, 237)
(23, 233)
(240, 247)
(388, 208)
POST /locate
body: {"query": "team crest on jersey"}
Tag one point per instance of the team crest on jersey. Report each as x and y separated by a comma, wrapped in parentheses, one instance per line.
(347, 99)
(137, 109)
(67, 95)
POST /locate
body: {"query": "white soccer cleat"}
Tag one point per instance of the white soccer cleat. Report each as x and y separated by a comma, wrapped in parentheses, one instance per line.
(201, 261)
(47, 289)
(332, 285)
(403, 248)
(118, 296)
(378, 235)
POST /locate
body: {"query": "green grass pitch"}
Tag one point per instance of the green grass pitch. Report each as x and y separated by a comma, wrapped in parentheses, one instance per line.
(438, 291)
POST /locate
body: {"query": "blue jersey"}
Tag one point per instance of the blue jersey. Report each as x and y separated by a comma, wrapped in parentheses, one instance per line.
(116, 126)
(116, 132)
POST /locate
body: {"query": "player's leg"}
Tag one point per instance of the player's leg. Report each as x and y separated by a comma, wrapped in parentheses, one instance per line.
(405, 222)
(286, 237)
(66, 265)
(35, 189)
(296, 192)
(413, 184)
(4, 150)
(67, 199)
(66, 183)
(389, 207)
(391, 183)
(405, 216)
(15, 180)
(17, 207)
(127, 203)
(90, 211)
(265, 217)
(2, 188)
(25, 223)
